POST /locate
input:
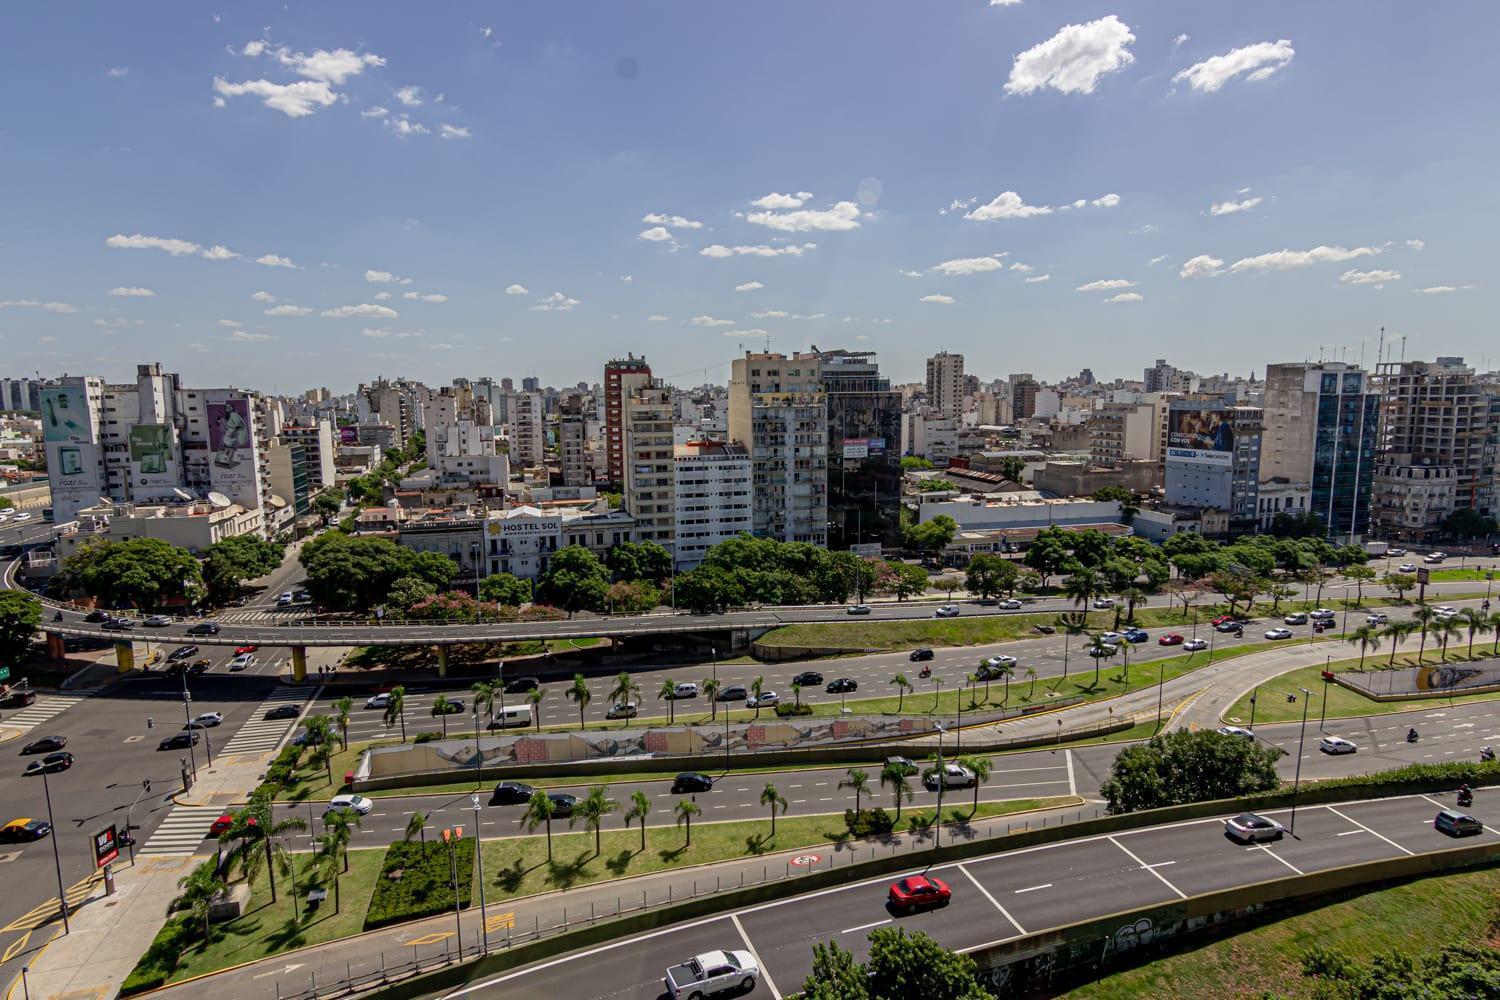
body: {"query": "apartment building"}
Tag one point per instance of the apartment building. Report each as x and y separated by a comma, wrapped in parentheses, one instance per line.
(573, 441)
(621, 377)
(779, 413)
(647, 420)
(712, 497)
(945, 383)
(319, 450)
(864, 450)
(1213, 459)
(1122, 432)
(528, 430)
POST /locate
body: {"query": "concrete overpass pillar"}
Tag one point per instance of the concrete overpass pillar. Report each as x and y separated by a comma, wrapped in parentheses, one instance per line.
(299, 664)
(442, 652)
(125, 656)
(56, 649)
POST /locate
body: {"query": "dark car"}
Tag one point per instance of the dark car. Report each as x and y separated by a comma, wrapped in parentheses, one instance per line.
(46, 744)
(199, 668)
(284, 712)
(118, 625)
(734, 692)
(96, 616)
(691, 781)
(204, 628)
(179, 741)
(19, 699)
(520, 685)
(842, 685)
(1229, 625)
(921, 654)
(452, 707)
(182, 653)
(1136, 635)
(510, 793)
(51, 763)
(562, 803)
(808, 678)
(21, 830)
(1457, 824)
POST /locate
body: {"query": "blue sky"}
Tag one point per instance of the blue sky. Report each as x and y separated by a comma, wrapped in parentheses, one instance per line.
(538, 182)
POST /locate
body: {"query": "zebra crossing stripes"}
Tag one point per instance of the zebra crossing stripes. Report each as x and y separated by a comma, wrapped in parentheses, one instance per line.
(181, 833)
(45, 707)
(260, 734)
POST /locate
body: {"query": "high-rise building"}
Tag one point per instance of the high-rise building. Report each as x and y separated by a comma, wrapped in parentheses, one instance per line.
(649, 455)
(713, 500)
(20, 393)
(319, 449)
(1122, 432)
(864, 449)
(1023, 397)
(778, 411)
(945, 383)
(1321, 427)
(621, 376)
(1213, 458)
(572, 441)
(1162, 377)
(287, 466)
(528, 430)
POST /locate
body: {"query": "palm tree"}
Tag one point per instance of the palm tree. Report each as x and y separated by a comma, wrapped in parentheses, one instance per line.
(856, 779)
(640, 808)
(1100, 651)
(894, 775)
(981, 768)
(710, 688)
(539, 810)
(902, 686)
(395, 708)
(1422, 619)
(342, 707)
(1132, 596)
(1070, 628)
(1494, 624)
(440, 706)
(625, 686)
(1447, 628)
(1007, 671)
(592, 809)
(258, 831)
(578, 692)
(1367, 637)
(416, 827)
(1082, 587)
(937, 691)
(668, 693)
(534, 698)
(1031, 676)
(1397, 633)
(1474, 623)
(756, 687)
(484, 697)
(332, 855)
(797, 694)
(686, 810)
(769, 796)
(200, 887)
(319, 731)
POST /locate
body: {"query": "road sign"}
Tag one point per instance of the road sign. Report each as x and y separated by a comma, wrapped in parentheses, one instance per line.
(4, 673)
(106, 848)
(806, 860)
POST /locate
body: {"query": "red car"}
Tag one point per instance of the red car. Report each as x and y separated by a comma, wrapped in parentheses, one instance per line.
(223, 823)
(1222, 619)
(249, 647)
(918, 891)
(1170, 639)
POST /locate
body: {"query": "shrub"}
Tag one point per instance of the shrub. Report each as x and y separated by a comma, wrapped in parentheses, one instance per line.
(160, 960)
(426, 737)
(785, 711)
(424, 887)
(869, 822)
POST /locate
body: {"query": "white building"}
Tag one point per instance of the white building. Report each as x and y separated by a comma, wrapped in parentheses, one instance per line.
(528, 430)
(713, 498)
(648, 453)
(927, 434)
(522, 541)
(945, 383)
(1280, 495)
(779, 413)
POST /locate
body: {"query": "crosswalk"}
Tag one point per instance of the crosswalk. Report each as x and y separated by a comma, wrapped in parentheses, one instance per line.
(45, 707)
(260, 734)
(181, 833)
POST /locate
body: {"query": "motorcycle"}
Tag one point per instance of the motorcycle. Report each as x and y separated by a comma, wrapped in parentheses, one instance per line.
(1411, 736)
(925, 673)
(1486, 754)
(1465, 798)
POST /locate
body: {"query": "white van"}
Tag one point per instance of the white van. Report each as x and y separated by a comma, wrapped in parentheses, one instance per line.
(511, 716)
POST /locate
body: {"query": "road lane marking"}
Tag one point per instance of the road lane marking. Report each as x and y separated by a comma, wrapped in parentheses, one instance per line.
(765, 973)
(865, 927)
(1163, 879)
(1382, 836)
(1034, 888)
(1350, 833)
(1263, 847)
(993, 901)
(430, 938)
(1072, 785)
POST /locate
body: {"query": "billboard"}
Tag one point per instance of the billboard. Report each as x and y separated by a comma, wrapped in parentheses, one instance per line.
(232, 446)
(863, 447)
(1201, 456)
(1200, 430)
(106, 847)
(65, 415)
(75, 467)
(152, 463)
(349, 435)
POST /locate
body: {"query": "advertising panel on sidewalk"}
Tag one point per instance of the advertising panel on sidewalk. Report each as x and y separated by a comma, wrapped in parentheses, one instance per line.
(106, 847)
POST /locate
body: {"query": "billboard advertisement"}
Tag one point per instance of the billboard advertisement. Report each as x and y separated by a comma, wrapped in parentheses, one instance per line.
(856, 448)
(1200, 430)
(152, 463)
(106, 847)
(1201, 456)
(231, 444)
(75, 467)
(349, 435)
(65, 414)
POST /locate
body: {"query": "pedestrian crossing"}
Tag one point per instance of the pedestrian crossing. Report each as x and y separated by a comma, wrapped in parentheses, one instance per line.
(45, 707)
(260, 734)
(181, 833)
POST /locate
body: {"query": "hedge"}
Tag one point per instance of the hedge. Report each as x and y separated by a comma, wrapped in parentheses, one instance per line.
(425, 886)
(784, 711)
(160, 960)
(1453, 773)
(869, 822)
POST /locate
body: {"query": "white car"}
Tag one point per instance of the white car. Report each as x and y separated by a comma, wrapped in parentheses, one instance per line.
(1322, 614)
(284, 600)
(1396, 552)
(1407, 568)
(1279, 633)
(684, 689)
(25, 515)
(621, 710)
(1009, 604)
(1377, 618)
(947, 611)
(1295, 618)
(1431, 557)
(766, 700)
(1104, 603)
(1248, 828)
(954, 776)
(1444, 611)
(1000, 661)
(1110, 638)
(378, 701)
(1193, 645)
(4, 517)
(712, 972)
(209, 719)
(1239, 731)
(358, 803)
(1336, 744)
(241, 662)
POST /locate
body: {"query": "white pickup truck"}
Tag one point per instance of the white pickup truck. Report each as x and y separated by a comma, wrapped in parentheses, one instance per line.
(712, 972)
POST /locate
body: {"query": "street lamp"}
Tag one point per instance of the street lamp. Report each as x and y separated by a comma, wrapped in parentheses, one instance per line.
(1297, 780)
(479, 850)
(187, 719)
(940, 783)
(62, 896)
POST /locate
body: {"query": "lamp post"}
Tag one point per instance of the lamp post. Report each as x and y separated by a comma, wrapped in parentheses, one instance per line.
(130, 837)
(1161, 682)
(940, 783)
(1323, 708)
(1297, 779)
(62, 896)
(484, 927)
(187, 719)
(1254, 697)
(478, 757)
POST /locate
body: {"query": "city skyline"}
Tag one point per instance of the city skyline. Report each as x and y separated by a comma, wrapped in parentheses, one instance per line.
(282, 199)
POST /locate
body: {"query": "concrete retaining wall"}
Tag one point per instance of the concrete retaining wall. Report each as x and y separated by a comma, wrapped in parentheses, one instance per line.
(776, 653)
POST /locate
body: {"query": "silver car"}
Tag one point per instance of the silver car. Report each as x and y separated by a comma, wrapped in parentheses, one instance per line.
(1250, 828)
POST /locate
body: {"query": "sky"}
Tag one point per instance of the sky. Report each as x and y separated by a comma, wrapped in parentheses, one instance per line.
(281, 196)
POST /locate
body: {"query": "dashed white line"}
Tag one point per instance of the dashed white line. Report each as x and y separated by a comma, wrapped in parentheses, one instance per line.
(865, 927)
(993, 901)
(1034, 888)
(1162, 878)
(1278, 857)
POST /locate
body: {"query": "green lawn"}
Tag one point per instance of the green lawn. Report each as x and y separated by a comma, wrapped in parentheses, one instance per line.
(1417, 918)
(1448, 575)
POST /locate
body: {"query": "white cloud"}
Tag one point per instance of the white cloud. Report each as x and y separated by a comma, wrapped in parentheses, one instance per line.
(1201, 266)
(132, 293)
(752, 332)
(1073, 60)
(1038, 278)
(410, 96)
(942, 300)
(1077, 204)
(1004, 3)
(1106, 201)
(769, 314)
(374, 111)
(1417, 245)
(656, 318)
(957, 205)
(420, 297)
(627, 278)
(1108, 284)
(656, 234)
(233, 324)
(263, 297)
(175, 247)
(385, 278)
(52, 307)
(288, 310)
(911, 274)
(1432, 290)
(556, 302)
(118, 72)
(968, 265)
(674, 221)
(1376, 278)
(1281, 260)
(254, 48)
(272, 260)
(1179, 41)
(719, 251)
(1259, 61)
(782, 201)
(217, 252)
(1231, 207)
(841, 217)
(404, 126)
(1007, 205)
(515, 290)
(1022, 268)
(330, 67)
(447, 131)
(1126, 297)
(710, 321)
(749, 286)
(293, 99)
(246, 335)
(364, 310)
(374, 333)
(1156, 260)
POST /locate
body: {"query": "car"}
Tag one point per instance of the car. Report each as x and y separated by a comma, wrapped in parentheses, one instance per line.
(284, 600)
(301, 596)
(1377, 618)
(118, 625)
(20, 830)
(954, 776)
(1250, 828)
(97, 615)
(1221, 620)
(305, 739)
(1045, 629)
(1238, 731)
(1193, 645)
(1336, 745)
(808, 678)
(1434, 557)
(1009, 604)
(520, 685)
(283, 712)
(947, 611)
(1137, 635)
(1000, 660)
(1111, 638)
(47, 744)
(842, 685)
(24, 515)
(248, 647)
(182, 653)
(691, 781)
(378, 700)
(358, 803)
(1395, 552)
(857, 609)
(622, 710)
(1295, 618)
(20, 699)
(204, 628)
(1443, 612)
(712, 972)
(1229, 625)
(209, 719)
(199, 667)
(562, 803)
(1322, 614)
(734, 692)
(1170, 639)
(51, 763)
(1279, 633)
(1407, 568)
(922, 653)
(766, 700)
(905, 765)
(1104, 603)
(684, 689)
(241, 662)
(1102, 650)
(156, 621)
(917, 892)
(453, 706)
(510, 793)
(225, 821)
(1457, 824)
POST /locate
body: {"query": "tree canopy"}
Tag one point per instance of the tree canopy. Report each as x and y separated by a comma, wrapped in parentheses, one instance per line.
(350, 573)
(991, 575)
(20, 613)
(575, 580)
(1466, 522)
(1179, 767)
(230, 562)
(503, 588)
(900, 966)
(136, 572)
(631, 561)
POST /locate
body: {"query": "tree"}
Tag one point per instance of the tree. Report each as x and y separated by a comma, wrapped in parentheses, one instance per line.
(1397, 633)
(592, 809)
(914, 463)
(20, 614)
(894, 777)
(902, 686)
(1400, 583)
(644, 561)
(981, 768)
(1466, 522)
(1013, 467)
(640, 810)
(632, 597)
(990, 575)
(348, 573)
(1129, 505)
(931, 536)
(1455, 972)
(409, 591)
(1446, 629)
(624, 691)
(797, 694)
(708, 589)
(441, 708)
(1474, 622)
(319, 730)
(1233, 587)
(257, 835)
(756, 687)
(1047, 553)
(1422, 620)
(908, 580)
(1304, 525)
(575, 580)
(1188, 766)
(710, 688)
(539, 809)
(1494, 623)
(505, 589)
(200, 887)
(341, 719)
(1100, 651)
(327, 505)
(1279, 592)
(333, 853)
(905, 965)
(686, 810)
(416, 827)
(578, 692)
(231, 561)
(835, 975)
(1082, 587)
(137, 572)
(1132, 596)
(1031, 676)
(1366, 637)
(770, 797)
(668, 693)
(948, 584)
(395, 709)
(859, 780)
